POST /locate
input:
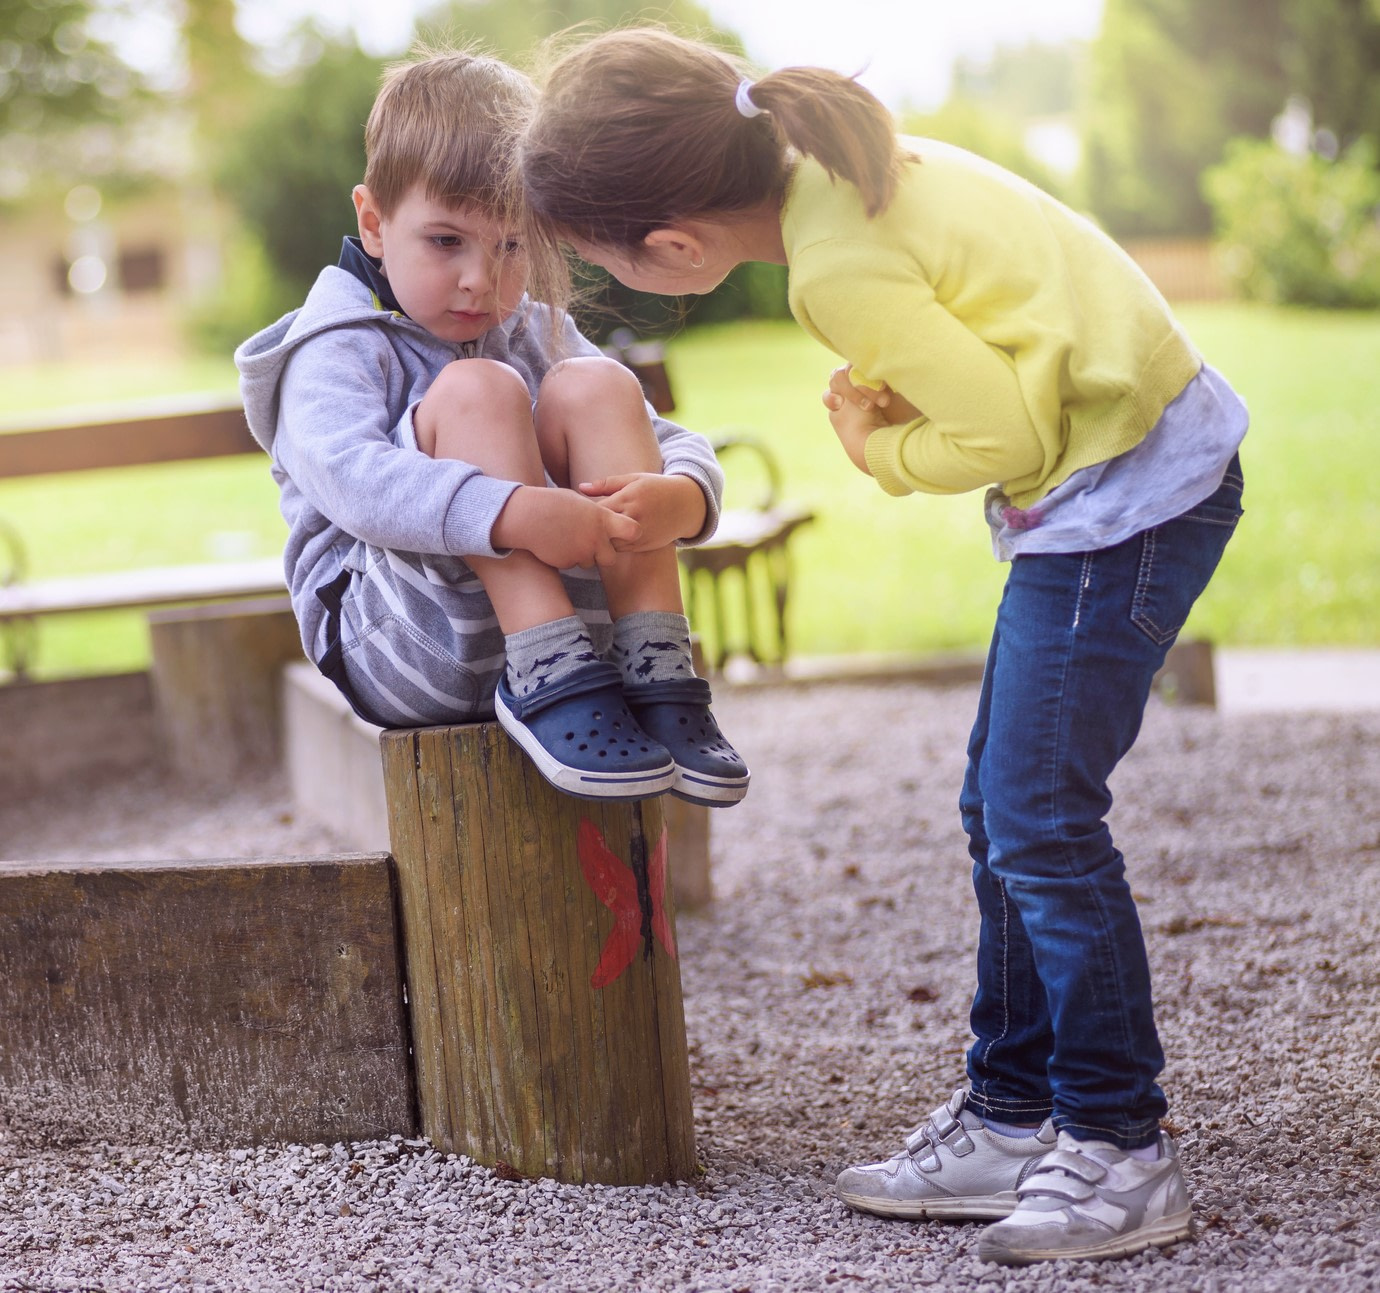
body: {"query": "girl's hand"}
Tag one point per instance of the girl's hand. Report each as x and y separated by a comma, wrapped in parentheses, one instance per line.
(842, 390)
(855, 412)
(666, 508)
(893, 408)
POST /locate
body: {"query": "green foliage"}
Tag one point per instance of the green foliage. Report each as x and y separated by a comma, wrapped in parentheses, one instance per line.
(52, 72)
(982, 130)
(1333, 59)
(290, 168)
(1023, 81)
(1299, 230)
(1172, 81)
(515, 29)
(872, 573)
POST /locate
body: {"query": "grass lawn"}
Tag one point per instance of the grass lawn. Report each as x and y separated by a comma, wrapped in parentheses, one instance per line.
(873, 573)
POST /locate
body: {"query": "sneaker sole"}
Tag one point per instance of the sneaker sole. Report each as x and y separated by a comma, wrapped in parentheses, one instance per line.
(576, 781)
(1159, 1234)
(981, 1207)
(708, 791)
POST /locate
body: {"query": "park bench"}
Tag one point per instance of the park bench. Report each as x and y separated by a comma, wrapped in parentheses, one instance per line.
(751, 542)
(172, 430)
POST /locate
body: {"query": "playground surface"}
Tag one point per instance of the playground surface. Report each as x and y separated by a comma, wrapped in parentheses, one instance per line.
(826, 994)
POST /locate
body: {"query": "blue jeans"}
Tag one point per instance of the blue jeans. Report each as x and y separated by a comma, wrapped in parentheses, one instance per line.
(1062, 1018)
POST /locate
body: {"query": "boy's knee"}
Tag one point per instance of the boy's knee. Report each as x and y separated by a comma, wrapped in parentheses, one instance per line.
(479, 381)
(470, 387)
(589, 380)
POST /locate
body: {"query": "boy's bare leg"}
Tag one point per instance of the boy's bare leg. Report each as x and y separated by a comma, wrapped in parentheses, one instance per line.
(592, 423)
(479, 411)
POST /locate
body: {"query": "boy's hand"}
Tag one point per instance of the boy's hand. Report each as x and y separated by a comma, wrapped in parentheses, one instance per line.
(562, 529)
(666, 508)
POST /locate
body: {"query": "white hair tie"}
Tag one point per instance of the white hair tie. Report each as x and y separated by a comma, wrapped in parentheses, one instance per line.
(742, 100)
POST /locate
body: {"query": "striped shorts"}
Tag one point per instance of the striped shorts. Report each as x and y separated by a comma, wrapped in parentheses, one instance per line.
(418, 643)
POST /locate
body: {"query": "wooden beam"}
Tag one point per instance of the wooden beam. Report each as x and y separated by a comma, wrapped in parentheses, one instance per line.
(153, 432)
(158, 586)
(224, 1001)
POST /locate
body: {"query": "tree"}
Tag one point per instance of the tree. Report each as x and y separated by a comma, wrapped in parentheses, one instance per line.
(52, 72)
(290, 167)
(1175, 80)
(1172, 81)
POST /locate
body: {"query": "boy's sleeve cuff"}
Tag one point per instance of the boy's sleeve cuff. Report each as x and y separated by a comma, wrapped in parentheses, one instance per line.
(711, 503)
(882, 451)
(468, 528)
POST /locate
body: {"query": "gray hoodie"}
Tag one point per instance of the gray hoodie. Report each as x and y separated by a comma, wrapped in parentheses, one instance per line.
(325, 391)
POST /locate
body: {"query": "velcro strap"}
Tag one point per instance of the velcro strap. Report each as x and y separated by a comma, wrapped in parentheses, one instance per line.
(598, 675)
(918, 1140)
(1083, 1166)
(1056, 1185)
(685, 691)
(944, 1122)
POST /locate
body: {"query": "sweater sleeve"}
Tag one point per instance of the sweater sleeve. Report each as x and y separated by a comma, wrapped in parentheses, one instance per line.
(879, 313)
(334, 441)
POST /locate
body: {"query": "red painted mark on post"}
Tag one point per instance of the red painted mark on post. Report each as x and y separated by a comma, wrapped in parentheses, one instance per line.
(615, 885)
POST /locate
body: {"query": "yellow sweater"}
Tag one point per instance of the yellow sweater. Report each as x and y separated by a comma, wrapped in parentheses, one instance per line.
(1030, 342)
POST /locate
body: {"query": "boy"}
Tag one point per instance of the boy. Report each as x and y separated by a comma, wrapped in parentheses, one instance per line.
(481, 507)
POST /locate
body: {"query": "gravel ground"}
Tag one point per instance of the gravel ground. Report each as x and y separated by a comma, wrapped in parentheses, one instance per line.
(826, 995)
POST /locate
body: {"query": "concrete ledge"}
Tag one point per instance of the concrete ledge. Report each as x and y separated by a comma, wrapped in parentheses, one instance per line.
(333, 761)
(224, 1002)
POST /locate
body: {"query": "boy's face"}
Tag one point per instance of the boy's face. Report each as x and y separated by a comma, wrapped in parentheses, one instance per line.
(454, 269)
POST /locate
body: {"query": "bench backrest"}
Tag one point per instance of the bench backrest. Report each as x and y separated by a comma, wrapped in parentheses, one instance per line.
(169, 430)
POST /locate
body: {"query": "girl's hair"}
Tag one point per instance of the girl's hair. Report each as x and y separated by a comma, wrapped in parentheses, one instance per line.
(448, 120)
(639, 128)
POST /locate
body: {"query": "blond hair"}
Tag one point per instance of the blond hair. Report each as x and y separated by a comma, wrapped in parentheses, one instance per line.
(639, 128)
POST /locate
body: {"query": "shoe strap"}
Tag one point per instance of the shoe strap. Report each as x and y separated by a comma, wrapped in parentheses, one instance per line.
(1056, 1185)
(1064, 1174)
(685, 691)
(598, 675)
(1084, 1166)
(942, 1128)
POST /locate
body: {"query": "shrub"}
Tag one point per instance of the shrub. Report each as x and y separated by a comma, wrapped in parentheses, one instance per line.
(1299, 229)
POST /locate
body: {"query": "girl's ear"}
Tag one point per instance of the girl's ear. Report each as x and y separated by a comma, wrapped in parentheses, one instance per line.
(682, 244)
(370, 220)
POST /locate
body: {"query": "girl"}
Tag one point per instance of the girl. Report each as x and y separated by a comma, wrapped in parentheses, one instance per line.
(990, 337)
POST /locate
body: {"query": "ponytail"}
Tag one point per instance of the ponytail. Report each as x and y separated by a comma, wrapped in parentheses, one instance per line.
(638, 129)
(830, 117)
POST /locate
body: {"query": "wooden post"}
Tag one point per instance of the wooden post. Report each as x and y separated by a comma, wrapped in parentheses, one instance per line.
(216, 685)
(543, 985)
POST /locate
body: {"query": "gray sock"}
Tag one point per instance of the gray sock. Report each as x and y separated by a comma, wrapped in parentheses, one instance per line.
(652, 646)
(546, 653)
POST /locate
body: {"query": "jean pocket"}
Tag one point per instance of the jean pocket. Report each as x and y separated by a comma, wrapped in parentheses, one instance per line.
(1178, 559)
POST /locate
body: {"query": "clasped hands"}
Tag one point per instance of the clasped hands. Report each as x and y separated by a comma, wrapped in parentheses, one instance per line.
(592, 524)
(855, 412)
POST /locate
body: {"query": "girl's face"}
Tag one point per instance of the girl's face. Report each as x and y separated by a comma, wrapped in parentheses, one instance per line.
(667, 266)
(454, 269)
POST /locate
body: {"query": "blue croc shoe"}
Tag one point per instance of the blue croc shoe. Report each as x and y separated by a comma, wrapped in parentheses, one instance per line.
(584, 739)
(676, 712)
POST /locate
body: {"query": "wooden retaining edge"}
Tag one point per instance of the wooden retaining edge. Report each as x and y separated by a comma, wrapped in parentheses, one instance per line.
(227, 1001)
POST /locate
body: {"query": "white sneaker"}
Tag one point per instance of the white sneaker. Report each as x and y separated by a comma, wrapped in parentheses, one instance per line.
(953, 1168)
(1088, 1199)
